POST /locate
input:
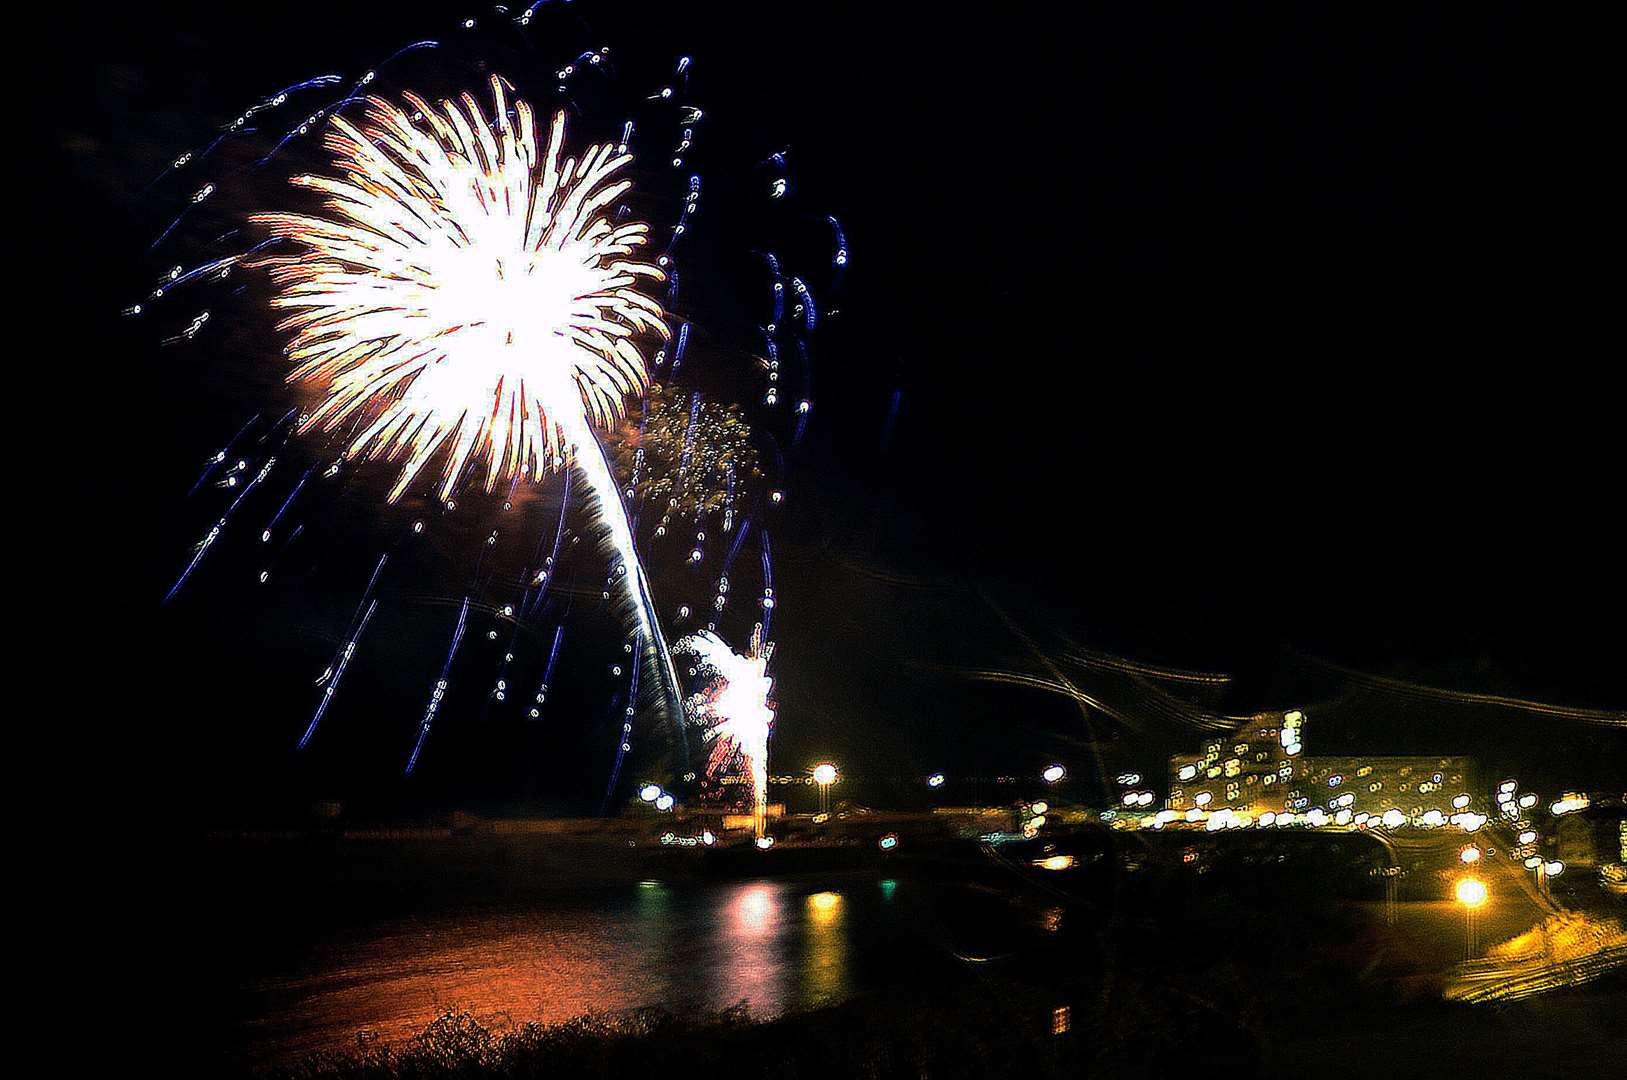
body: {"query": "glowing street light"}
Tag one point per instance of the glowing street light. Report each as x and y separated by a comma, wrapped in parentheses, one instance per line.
(1053, 773)
(649, 792)
(824, 775)
(1470, 854)
(935, 780)
(1471, 893)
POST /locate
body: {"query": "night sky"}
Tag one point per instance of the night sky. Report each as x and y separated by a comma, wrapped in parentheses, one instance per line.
(1223, 338)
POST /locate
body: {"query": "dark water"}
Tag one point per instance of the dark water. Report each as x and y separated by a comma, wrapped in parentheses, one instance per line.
(777, 945)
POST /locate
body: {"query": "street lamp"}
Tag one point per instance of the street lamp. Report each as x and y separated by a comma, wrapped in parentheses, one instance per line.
(824, 775)
(1053, 773)
(1471, 893)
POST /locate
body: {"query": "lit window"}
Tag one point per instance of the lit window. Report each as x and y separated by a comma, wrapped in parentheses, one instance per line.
(1061, 1019)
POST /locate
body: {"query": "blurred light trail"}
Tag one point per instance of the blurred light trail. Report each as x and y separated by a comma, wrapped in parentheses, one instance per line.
(439, 691)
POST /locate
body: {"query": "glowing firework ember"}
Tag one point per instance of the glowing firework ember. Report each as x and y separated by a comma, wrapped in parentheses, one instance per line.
(735, 707)
(467, 293)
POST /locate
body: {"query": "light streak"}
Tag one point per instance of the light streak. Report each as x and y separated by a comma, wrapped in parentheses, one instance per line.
(265, 534)
(624, 737)
(332, 688)
(439, 691)
(541, 696)
(221, 455)
(219, 527)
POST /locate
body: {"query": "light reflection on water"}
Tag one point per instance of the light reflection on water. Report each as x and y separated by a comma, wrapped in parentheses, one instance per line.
(774, 944)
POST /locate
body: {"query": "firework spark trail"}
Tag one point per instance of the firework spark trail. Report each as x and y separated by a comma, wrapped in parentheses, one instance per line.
(439, 691)
(603, 489)
(221, 455)
(545, 573)
(678, 349)
(839, 259)
(805, 406)
(236, 128)
(736, 706)
(541, 697)
(265, 534)
(624, 739)
(353, 632)
(339, 103)
(768, 579)
(691, 204)
(343, 662)
(516, 612)
(805, 301)
(265, 574)
(218, 527)
(778, 288)
(734, 548)
(221, 266)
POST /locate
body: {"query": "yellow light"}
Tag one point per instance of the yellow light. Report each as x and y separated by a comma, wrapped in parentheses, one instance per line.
(1470, 854)
(824, 901)
(1569, 804)
(1470, 892)
(824, 774)
(1040, 807)
(1055, 862)
(1061, 1019)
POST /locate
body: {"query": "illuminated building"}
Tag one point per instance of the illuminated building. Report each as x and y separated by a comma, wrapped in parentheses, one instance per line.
(1260, 767)
(1373, 785)
(1249, 770)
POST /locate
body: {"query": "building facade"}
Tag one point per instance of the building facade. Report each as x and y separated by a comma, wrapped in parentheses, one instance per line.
(1260, 767)
(1251, 770)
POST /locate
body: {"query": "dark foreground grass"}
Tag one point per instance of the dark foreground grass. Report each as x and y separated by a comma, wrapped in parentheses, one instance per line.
(1000, 1030)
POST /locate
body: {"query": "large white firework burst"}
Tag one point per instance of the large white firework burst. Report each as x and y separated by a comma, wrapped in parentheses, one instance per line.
(466, 292)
